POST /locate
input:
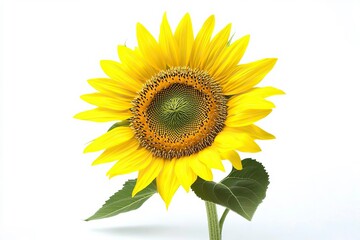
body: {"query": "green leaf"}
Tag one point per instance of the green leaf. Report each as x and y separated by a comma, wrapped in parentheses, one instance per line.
(241, 191)
(229, 41)
(119, 124)
(122, 201)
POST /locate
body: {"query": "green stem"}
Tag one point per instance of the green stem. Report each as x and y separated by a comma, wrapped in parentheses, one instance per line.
(222, 219)
(213, 225)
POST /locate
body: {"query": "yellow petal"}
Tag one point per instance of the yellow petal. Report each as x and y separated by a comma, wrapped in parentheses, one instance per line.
(113, 102)
(148, 174)
(229, 58)
(200, 168)
(115, 71)
(112, 138)
(167, 182)
(242, 103)
(103, 115)
(140, 159)
(184, 173)
(118, 152)
(106, 85)
(217, 46)
(255, 132)
(149, 48)
(185, 38)
(248, 75)
(135, 65)
(230, 139)
(233, 157)
(211, 158)
(264, 92)
(246, 117)
(202, 42)
(168, 44)
(253, 99)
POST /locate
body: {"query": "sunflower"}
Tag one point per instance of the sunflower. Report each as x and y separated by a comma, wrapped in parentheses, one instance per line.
(182, 105)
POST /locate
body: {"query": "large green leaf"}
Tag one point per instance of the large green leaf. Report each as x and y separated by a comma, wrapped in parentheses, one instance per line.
(122, 201)
(241, 191)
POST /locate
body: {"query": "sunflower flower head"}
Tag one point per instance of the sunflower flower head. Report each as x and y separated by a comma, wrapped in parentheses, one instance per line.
(183, 105)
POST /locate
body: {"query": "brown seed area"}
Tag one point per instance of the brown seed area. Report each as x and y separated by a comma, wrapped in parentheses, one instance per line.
(178, 112)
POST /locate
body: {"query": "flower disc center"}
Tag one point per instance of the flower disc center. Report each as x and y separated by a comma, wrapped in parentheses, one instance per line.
(175, 110)
(178, 112)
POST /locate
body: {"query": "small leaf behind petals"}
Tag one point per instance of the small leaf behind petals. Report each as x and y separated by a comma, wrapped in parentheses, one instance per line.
(125, 123)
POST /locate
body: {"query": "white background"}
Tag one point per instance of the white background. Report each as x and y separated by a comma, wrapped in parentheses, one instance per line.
(50, 48)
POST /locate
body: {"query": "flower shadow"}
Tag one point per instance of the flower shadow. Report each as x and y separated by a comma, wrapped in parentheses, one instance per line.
(153, 231)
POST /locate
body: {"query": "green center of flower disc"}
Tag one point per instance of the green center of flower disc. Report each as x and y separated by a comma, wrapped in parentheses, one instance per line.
(178, 112)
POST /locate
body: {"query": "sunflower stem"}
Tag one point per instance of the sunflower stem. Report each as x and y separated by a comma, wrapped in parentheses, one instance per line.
(222, 219)
(213, 225)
